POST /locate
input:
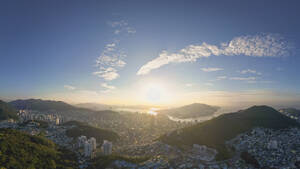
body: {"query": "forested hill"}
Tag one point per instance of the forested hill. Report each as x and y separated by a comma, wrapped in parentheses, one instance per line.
(19, 150)
(81, 128)
(7, 111)
(216, 131)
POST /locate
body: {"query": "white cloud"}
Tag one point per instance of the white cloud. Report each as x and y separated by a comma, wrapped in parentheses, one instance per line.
(69, 87)
(112, 57)
(107, 86)
(107, 74)
(208, 84)
(211, 69)
(250, 71)
(243, 78)
(122, 26)
(221, 77)
(109, 62)
(189, 85)
(261, 45)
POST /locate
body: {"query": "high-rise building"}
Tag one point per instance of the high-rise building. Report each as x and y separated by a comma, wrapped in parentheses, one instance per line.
(81, 141)
(107, 147)
(92, 140)
(88, 149)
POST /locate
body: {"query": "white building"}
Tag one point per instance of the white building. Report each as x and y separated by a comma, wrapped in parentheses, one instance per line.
(92, 140)
(89, 146)
(57, 121)
(88, 149)
(107, 147)
(81, 141)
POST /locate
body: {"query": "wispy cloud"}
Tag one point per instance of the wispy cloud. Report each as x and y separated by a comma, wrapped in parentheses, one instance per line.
(107, 86)
(221, 77)
(250, 71)
(189, 85)
(69, 87)
(112, 57)
(243, 78)
(122, 26)
(261, 45)
(107, 74)
(208, 84)
(211, 69)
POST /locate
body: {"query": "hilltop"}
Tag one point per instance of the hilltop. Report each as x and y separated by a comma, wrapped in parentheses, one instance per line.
(81, 128)
(20, 150)
(191, 111)
(7, 111)
(215, 132)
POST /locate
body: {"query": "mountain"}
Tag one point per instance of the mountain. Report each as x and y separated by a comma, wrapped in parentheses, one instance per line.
(215, 132)
(89, 131)
(19, 150)
(94, 106)
(44, 105)
(191, 111)
(7, 111)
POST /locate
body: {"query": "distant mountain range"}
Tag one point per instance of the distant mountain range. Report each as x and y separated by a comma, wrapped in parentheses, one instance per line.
(99, 107)
(7, 111)
(94, 106)
(215, 132)
(191, 111)
(61, 108)
(44, 105)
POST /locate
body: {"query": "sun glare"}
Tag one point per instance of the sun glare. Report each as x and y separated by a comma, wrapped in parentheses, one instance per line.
(154, 93)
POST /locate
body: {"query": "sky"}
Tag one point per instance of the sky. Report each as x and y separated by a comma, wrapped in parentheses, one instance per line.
(151, 52)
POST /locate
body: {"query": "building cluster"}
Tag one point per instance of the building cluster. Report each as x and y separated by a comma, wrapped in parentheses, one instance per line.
(89, 146)
(274, 149)
(293, 115)
(26, 115)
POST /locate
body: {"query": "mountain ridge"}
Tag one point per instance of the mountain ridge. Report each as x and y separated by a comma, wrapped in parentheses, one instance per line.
(215, 132)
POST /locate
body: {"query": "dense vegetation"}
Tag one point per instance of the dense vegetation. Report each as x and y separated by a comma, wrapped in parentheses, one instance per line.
(7, 111)
(19, 150)
(101, 162)
(216, 131)
(191, 111)
(90, 131)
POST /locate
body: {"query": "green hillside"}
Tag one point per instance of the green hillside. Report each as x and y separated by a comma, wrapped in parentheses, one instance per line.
(7, 111)
(19, 150)
(216, 131)
(90, 131)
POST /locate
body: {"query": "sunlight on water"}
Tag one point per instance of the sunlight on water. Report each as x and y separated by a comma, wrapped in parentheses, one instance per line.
(152, 111)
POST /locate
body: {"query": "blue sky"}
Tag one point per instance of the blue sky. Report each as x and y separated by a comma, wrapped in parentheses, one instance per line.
(151, 52)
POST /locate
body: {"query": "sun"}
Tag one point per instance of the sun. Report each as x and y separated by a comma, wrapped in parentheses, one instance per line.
(154, 93)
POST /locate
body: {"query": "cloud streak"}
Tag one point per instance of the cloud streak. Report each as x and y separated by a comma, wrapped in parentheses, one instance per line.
(250, 71)
(211, 69)
(261, 45)
(69, 87)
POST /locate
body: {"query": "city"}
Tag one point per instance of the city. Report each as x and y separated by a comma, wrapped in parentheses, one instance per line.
(152, 84)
